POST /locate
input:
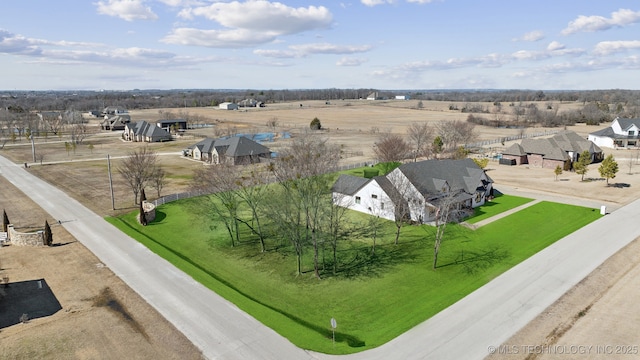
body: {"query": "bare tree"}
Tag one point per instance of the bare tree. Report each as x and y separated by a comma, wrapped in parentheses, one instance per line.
(444, 208)
(302, 171)
(222, 182)
(252, 191)
(454, 133)
(158, 179)
(420, 135)
(137, 169)
(400, 198)
(391, 148)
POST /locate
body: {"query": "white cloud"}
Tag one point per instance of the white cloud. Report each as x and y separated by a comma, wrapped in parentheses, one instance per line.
(279, 54)
(249, 23)
(421, 1)
(237, 38)
(348, 61)
(324, 48)
(610, 47)
(554, 45)
(593, 23)
(128, 10)
(298, 51)
(376, 2)
(535, 35)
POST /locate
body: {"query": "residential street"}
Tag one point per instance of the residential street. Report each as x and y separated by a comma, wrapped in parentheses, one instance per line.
(466, 330)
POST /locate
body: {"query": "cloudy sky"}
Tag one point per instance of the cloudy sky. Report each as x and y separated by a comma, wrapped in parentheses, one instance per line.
(288, 44)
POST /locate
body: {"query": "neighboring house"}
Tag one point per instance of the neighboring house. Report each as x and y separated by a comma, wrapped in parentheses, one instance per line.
(115, 122)
(403, 97)
(623, 133)
(560, 150)
(375, 96)
(142, 131)
(172, 124)
(114, 110)
(228, 106)
(416, 188)
(236, 150)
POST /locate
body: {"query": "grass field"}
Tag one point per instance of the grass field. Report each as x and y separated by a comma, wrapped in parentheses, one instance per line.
(498, 205)
(373, 298)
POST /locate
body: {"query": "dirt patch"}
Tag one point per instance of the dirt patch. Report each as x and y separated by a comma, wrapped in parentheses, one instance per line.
(77, 279)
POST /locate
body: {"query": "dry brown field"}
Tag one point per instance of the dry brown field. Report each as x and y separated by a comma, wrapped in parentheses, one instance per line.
(85, 330)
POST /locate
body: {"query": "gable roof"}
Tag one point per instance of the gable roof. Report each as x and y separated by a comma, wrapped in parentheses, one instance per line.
(514, 149)
(349, 184)
(234, 146)
(143, 128)
(430, 176)
(625, 124)
(571, 141)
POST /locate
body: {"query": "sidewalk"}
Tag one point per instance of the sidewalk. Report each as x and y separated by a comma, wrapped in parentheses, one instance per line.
(501, 215)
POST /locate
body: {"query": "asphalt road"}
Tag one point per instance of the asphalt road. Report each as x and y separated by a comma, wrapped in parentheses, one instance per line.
(469, 329)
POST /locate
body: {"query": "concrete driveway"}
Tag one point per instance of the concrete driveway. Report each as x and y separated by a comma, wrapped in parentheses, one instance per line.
(469, 329)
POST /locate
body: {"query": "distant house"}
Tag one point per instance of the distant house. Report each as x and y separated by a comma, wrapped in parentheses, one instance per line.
(623, 133)
(374, 96)
(236, 150)
(142, 131)
(416, 188)
(172, 124)
(114, 110)
(228, 106)
(115, 122)
(560, 150)
(248, 103)
(403, 97)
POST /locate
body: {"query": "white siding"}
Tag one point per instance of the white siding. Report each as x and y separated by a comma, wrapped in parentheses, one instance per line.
(601, 141)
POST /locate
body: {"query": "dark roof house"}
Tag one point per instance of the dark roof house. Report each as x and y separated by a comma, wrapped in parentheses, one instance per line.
(142, 131)
(237, 150)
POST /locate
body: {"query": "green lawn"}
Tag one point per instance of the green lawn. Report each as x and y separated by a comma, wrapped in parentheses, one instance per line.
(374, 298)
(498, 205)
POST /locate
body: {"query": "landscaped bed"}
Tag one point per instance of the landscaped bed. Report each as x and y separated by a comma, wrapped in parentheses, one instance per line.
(373, 298)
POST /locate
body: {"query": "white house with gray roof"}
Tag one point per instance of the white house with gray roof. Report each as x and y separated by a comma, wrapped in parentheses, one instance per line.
(623, 133)
(415, 189)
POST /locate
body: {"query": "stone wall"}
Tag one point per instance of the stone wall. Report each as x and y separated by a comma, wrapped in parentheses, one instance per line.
(25, 239)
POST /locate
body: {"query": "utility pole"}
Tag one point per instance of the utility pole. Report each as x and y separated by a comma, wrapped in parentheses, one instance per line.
(113, 201)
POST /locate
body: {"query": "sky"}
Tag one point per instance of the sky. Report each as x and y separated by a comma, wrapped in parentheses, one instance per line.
(302, 44)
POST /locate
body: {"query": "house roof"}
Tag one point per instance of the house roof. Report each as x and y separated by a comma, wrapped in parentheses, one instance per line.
(234, 146)
(349, 184)
(430, 176)
(625, 124)
(143, 128)
(515, 149)
(170, 121)
(571, 141)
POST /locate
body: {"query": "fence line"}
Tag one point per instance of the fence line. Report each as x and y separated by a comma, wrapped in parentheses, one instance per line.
(189, 194)
(511, 138)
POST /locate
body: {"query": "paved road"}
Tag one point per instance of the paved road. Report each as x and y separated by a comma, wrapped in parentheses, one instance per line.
(465, 330)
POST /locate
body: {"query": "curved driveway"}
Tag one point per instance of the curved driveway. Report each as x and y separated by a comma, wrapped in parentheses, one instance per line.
(465, 330)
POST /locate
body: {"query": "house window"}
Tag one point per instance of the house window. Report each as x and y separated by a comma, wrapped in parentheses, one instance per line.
(357, 199)
(381, 206)
(374, 196)
(632, 132)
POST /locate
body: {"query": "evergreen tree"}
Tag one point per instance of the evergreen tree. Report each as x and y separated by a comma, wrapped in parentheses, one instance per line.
(48, 237)
(582, 165)
(143, 217)
(609, 168)
(5, 221)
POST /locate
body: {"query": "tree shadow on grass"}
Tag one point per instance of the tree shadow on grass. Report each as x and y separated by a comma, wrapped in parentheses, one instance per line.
(367, 262)
(160, 216)
(352, 341)
(472, 262)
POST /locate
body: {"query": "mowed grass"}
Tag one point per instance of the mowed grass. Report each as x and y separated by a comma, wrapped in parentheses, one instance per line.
(373, 298)
(498, 205)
